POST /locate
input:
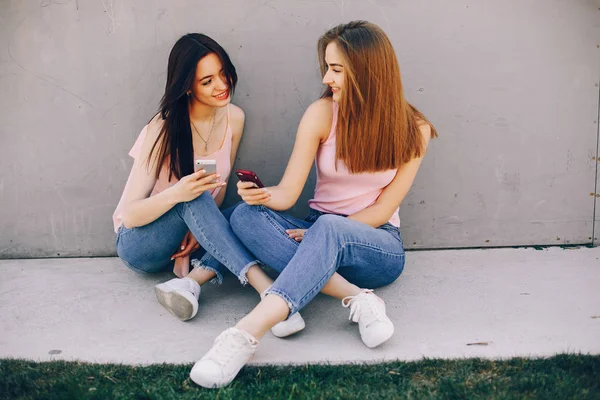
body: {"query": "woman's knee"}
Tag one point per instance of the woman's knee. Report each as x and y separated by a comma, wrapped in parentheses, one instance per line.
(143, 266)
(330, 220)
(374, 279)
(329, 223)
(244, 218)
(394, 269)
(137, 262)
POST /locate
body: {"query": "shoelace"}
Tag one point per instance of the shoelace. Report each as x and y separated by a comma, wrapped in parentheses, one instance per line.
(363, 307)
(226, 346)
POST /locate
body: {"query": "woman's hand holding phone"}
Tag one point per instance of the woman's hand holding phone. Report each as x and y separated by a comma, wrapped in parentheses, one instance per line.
(191, 186)
(251, 194)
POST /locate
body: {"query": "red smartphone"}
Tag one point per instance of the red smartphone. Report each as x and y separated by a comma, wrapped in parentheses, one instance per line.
(249, 176)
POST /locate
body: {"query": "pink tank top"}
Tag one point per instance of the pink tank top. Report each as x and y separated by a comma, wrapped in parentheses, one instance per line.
(339, 191)
(223, 157)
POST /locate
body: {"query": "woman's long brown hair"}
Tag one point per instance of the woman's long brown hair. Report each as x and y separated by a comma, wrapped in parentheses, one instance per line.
(377, 128)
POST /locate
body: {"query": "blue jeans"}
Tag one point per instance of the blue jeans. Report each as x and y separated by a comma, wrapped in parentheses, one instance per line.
(149, 248)
(367, 257)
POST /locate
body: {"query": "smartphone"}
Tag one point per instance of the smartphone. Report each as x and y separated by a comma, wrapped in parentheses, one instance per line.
(249, 176)
(209, 165)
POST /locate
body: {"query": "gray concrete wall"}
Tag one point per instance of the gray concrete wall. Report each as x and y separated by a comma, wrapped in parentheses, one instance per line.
(512, 87)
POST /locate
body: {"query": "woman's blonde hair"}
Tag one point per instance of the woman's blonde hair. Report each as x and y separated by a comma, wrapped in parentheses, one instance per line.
(377, 129)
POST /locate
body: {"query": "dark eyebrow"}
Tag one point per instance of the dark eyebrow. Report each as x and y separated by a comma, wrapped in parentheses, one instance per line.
(336, 65)
(210, 76)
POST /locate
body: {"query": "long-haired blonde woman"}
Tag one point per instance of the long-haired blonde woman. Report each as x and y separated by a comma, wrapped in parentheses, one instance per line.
(368, 143)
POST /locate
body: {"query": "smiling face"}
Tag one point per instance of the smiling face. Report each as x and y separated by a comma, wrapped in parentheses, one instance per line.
(210, 84)
(335, 75)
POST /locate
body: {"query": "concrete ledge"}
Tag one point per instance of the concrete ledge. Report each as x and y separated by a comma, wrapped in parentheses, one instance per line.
(522, 302)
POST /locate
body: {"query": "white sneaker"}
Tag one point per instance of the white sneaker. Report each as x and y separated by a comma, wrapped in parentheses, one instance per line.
(179, 296)
(293, 324)
(369, 311)
(232, 349)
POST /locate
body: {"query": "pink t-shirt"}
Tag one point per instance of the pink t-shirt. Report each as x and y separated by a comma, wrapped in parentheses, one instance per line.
(223, 158)
(341, 192)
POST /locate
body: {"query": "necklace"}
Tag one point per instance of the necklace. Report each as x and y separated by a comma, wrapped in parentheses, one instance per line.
(209, 133)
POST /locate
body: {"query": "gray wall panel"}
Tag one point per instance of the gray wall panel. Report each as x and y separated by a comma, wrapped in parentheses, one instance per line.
(511, 87)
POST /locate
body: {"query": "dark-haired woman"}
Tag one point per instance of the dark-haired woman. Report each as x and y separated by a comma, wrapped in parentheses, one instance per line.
(168, 213)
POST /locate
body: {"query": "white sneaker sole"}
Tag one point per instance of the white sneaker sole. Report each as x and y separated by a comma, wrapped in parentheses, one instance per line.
(206, 382)
(181, 304)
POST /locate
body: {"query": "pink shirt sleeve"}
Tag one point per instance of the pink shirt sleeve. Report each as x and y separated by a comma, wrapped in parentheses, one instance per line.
(134, 152)
(137, 146)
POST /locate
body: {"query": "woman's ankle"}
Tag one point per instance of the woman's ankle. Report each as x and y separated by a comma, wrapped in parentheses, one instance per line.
(259, 280)
(340, 288)
(251, 329)
(201, 275)
(268, 313)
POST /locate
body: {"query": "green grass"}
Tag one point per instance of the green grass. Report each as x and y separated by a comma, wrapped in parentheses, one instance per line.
(559, 377)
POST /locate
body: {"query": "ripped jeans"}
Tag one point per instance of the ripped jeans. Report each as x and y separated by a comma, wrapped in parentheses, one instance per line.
(365, 256)
(149, 248)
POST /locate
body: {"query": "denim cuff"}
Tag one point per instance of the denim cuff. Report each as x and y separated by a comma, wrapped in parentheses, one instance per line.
(242, 276)
(264, 293)
(293, 307)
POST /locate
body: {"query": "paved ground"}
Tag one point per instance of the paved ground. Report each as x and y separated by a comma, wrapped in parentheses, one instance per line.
(518, 302)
